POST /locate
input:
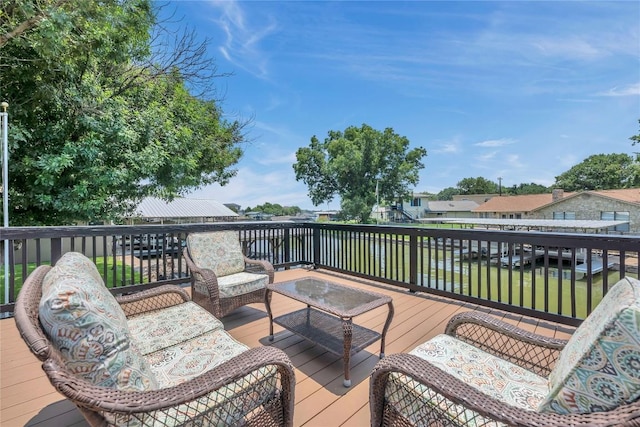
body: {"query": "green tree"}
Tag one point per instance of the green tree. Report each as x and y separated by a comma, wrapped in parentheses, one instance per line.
(477, 185)
(448, 193)
(276, 209)
(530, 188)
(100, 111)
(635, 138)
(353, 163)
(601, 172)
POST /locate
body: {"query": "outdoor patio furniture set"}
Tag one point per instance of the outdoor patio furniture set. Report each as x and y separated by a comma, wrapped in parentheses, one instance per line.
(161, 357)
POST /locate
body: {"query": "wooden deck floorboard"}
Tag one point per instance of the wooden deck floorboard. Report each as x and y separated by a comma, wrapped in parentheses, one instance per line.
(27, 398)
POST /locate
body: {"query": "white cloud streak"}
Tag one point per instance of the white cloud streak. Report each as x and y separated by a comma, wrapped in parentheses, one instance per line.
(495, 143)
(628, 90)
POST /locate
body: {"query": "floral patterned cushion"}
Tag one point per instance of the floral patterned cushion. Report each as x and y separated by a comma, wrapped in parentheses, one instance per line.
(73, 264)
(87, 326)
(489, 374)
(241, 283)
(226, 406)
(159, 329)
(190, 358)
(599, 368)
(219, 251)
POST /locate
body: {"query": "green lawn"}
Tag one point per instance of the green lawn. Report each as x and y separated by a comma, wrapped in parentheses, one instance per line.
(100, 264)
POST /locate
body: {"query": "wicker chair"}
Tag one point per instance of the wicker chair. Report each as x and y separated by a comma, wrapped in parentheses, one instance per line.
(222, 277)
(242, 387)
(485, 372)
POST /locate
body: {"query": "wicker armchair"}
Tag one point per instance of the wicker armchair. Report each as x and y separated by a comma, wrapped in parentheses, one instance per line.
(222, 277)
(485, 372)
(247, 387)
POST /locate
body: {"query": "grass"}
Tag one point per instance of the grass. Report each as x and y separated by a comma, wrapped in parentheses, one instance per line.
(529, 289)
(121, 274)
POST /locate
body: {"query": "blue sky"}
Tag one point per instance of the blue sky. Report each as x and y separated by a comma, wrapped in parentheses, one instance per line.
(521, 90)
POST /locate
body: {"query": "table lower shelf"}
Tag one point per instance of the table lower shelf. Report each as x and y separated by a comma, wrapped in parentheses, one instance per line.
(326, 330)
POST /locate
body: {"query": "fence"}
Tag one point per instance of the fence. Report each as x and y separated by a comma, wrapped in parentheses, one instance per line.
(554, 276)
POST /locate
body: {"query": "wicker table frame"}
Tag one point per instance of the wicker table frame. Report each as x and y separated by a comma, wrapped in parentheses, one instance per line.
(328, 324)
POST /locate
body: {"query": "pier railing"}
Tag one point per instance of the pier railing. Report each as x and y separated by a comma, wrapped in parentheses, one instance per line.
(555, 276)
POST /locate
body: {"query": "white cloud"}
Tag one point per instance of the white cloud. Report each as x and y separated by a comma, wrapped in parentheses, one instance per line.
(513, 160)
(255, 187)
(242, 44)
(572, 47)
(448, 147)
(488, 156)
(495, 142)
(629, 90)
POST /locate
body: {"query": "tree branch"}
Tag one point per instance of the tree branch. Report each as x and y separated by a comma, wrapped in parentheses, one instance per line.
(28, 24)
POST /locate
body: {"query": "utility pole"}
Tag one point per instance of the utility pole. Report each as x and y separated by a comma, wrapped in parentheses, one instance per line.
(500, 186)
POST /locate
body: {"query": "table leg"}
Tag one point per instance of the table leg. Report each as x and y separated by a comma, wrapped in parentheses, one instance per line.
(267, 304)
(386, 327)
(347, 329)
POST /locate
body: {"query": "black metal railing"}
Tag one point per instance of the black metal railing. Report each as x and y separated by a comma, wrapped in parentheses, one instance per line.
(554, 276)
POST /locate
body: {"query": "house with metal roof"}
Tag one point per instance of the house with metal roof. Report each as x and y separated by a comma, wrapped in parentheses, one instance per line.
(181, 210)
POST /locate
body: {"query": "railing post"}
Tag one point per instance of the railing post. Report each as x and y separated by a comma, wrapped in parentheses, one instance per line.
(316, 246)
(413, 260)
(56, 249)
(287, 245)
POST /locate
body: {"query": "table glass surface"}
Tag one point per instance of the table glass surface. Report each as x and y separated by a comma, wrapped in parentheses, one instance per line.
(327, 294)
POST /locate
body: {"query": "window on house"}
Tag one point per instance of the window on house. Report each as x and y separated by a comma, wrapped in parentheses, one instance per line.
(616, 216)
(416, 202)
(564, 215)
(518, 216)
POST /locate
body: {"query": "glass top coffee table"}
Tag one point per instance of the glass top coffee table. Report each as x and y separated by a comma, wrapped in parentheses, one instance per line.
(328, 318)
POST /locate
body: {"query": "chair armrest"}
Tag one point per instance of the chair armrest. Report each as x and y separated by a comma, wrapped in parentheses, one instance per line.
(451, 390)
(152, 299)
(531, 351)
(263, 266)
(137, 403)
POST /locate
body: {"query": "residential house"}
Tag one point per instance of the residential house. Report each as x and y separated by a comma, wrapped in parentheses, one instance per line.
(449, 209)
(478, 198)
(420, 207)
(611, 205)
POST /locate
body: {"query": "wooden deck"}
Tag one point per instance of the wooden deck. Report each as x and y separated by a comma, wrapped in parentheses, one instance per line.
(27, 398)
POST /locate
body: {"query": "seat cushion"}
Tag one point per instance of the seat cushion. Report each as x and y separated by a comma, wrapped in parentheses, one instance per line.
(155, 330)
(241, 283)
(190, 358)
(599, 368)
(228, 405)
(219, 251)
(87, 326)
(488, 374)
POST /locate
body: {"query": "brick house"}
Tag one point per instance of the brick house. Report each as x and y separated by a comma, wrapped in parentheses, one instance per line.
(618, 205)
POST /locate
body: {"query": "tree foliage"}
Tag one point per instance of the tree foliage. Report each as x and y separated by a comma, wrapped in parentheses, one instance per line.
(477, 185)
(354, 163)
(275, 209)
(102, 112)
(448, 193)
(529, 188)
(635, 139)
(601, 172)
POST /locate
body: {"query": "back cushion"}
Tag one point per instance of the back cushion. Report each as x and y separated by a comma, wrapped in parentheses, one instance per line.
(599, 369)
(219, 251)
(88, 327)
